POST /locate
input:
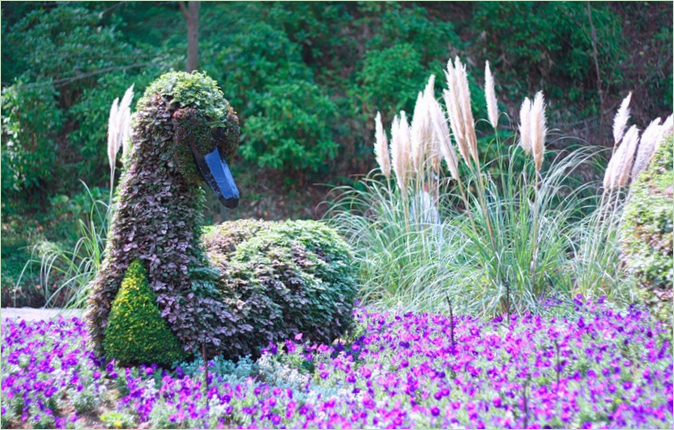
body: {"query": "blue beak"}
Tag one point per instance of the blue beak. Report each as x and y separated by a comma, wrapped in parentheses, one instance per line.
(217, 175)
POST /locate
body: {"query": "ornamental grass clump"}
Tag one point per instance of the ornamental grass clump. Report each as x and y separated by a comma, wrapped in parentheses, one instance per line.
(491, 233)
(498, 235)
(605, 242)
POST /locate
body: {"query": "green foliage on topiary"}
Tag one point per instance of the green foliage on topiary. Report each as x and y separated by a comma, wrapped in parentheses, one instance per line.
(280, 279)
(647, 232)
(136, 332)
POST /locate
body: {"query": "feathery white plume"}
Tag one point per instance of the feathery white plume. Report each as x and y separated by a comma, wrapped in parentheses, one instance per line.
(490, 95)
(420, 133)
(463, 92)
(432, 147)
(538, 129)
(630, 142)
(125, 120)
(456, 124)
(442, 136)
(113, 133)
(457, 99)
(381, 150)
(621, 118)
(650, 139)
(400, 138)
(525, 125)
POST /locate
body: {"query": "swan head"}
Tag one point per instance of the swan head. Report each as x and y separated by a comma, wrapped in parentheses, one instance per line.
(196, 130)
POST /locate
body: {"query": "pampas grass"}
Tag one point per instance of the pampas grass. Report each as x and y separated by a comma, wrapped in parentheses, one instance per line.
(538, 129)
(621, 118)
(119, 131)
(490, 95)
(420, 133)
(490, 238)
(400, 150)
(620, 165)
(649, 142)
(381, 149)
(525, 126)
(77, 267)
(439, 121)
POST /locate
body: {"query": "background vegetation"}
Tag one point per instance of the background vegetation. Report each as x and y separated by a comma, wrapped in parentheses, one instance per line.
(306, 79)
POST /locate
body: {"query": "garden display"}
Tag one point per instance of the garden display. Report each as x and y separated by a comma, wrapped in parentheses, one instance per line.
(473, 262)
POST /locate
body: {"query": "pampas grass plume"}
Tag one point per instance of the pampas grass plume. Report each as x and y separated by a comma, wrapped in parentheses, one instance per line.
(490, 95)
(525, 125)
(419, 132)
(400, 150)
(618, 170)
(381, 150)
(650, 139)
(442, 136)
(119, 126)
(113, 133)
(463, 93)
(538, 129)
(621, 118)
(125, 121)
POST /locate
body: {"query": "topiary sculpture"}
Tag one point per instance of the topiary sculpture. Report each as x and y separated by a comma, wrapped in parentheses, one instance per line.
(647, 232)
(183, 131)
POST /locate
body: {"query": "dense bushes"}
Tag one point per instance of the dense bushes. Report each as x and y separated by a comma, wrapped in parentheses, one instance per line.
(647, 232)
(68, 63)
(136, 332)
(280, 280)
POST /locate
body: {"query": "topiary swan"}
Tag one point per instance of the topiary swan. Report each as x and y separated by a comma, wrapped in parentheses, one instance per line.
(247, 284)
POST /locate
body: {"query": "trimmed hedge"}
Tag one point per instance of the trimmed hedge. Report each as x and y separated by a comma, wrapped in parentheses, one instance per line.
(280, 279)
(647, 232)
(136, 332)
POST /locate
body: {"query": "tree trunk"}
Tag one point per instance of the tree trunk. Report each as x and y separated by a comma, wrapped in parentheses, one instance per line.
(192, 18)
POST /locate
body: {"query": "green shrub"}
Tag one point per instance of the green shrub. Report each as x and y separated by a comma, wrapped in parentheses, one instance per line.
(30, 124)
(399, 66)
(291, 132)
(533, 42)
(136, 332)
(282, 279)
(647, 232)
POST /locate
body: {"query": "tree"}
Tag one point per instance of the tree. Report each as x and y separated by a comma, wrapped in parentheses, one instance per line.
(192, 17)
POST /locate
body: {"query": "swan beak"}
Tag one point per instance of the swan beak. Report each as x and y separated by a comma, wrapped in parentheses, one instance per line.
(217, 175)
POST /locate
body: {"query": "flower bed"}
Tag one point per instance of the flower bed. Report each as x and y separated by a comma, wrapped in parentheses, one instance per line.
(599, 369)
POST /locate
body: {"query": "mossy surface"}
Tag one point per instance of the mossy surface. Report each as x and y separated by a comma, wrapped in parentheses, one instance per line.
(647, 232)
(136, 331)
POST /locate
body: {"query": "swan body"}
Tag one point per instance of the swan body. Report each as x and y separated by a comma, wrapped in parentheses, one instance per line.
(183, 132)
